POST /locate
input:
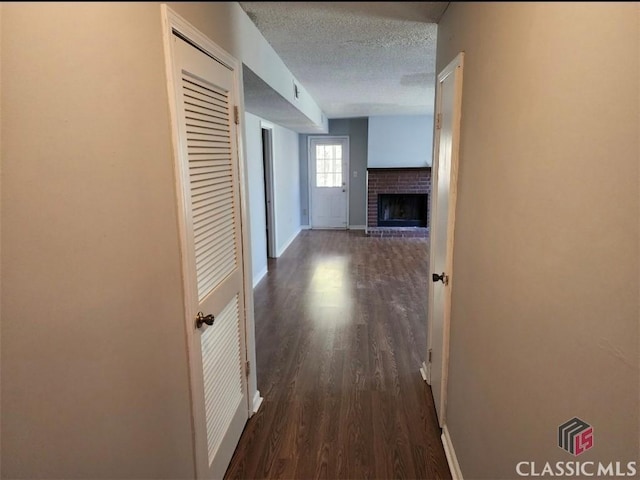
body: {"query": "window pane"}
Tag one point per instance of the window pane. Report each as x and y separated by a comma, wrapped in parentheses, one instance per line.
(329, 166)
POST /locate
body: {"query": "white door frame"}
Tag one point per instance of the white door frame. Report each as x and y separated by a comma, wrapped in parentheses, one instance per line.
(310, 178)
(455, 67)
(172, 22)
(269, 172)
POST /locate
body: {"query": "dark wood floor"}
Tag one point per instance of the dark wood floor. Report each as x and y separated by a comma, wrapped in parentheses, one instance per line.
(341, 334)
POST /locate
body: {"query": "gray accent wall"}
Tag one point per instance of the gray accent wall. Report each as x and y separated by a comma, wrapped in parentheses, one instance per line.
(358, 131)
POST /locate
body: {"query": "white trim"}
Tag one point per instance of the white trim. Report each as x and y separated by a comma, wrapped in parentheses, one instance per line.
(357, 227)
(257, 401)
(261, 274)
(269, 175)
(176, 22)
(288, 242)
(449, 451)
(423, 372)
(305, 227)
(347, 139)
(366, 201)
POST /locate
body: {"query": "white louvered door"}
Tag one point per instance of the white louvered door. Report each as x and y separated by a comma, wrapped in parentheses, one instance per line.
(213, 254)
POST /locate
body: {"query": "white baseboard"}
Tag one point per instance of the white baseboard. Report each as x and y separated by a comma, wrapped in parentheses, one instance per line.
(357, 227)
(449, 451)
(423, 372)
(305, 227)
(288, 242)
(257, 401)
(259, 276)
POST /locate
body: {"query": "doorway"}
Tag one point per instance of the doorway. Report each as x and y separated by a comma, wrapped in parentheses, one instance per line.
(267, 169)
(329, 182)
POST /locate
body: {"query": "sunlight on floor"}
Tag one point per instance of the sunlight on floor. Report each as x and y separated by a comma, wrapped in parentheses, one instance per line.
(330, 295)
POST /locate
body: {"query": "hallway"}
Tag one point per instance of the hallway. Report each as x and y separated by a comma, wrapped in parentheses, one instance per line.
(341, 334)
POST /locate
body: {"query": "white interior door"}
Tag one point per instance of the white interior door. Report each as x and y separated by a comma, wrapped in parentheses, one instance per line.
(443, 204)
(329, 178)
(209, 182)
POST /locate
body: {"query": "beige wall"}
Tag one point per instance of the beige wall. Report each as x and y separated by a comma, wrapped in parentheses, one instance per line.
(545, 282)
(94, 366)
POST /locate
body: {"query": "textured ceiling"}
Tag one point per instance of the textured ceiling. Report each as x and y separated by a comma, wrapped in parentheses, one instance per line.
(356, 58)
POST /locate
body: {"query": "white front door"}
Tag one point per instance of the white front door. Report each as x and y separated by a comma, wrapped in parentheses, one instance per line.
(329, 176)
(209, 182)
(443, 204)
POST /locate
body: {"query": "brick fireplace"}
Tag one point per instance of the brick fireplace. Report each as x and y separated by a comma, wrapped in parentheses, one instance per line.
(410, 214)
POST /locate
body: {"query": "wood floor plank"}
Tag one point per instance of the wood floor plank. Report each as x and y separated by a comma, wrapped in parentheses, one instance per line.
(340, 336)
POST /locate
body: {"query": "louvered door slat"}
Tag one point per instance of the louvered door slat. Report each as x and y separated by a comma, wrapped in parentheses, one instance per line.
(218, 113)
(211, 244)
(193, 129)
(204, 103)
(224, 264)
(211, 212)
(207, 232)
(211, 177)
(212, 262)
(199, 133)
(212, 136)
(199, 119)
(199, 192)
(193, 94)
(222, 383)
(193, 86)
(209, 198)
(208, 252)
(214, 111)
(208, 150)
(208, 224)
(193, 121)
(208, 166)
(213, 159)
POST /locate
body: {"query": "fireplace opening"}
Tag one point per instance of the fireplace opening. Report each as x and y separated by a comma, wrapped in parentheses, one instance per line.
(402, 209)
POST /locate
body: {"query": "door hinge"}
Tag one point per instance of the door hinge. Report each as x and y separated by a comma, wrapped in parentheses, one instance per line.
(438, 121)
(247, 368)
(429, 355)
(236, 115)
